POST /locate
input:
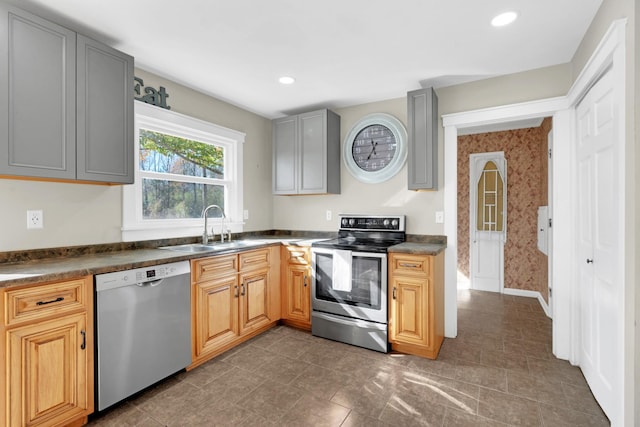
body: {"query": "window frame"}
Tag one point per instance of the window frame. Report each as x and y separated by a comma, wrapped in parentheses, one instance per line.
(157, 119)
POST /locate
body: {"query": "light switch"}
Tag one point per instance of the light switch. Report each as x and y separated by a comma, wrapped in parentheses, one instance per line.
(439, 217)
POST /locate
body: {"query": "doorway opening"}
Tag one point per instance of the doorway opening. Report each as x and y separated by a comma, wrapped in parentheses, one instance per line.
(523, 268)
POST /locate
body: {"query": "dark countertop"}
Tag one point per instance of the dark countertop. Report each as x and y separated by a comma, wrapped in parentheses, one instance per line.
(418, 248)
(82, 264)
(44, 265)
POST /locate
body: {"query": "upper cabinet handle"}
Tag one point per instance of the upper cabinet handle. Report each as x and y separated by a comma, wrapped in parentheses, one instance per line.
(84, 340)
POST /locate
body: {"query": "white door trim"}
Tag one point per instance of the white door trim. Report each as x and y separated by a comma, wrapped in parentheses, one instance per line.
(609, 53)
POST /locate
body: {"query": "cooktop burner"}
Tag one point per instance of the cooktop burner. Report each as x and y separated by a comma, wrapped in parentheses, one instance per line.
(367, 233)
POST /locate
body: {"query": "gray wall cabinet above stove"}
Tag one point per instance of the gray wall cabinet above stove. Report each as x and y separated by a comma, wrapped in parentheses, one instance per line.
(66, 103)
(422, 109)
(306, 153)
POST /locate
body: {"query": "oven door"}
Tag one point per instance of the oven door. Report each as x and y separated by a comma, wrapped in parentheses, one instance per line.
(351, 284)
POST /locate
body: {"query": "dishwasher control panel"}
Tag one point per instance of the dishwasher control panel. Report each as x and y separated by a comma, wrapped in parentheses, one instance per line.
(140, 275)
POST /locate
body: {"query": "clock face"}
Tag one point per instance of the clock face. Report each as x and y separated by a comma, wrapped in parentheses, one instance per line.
(374, 147)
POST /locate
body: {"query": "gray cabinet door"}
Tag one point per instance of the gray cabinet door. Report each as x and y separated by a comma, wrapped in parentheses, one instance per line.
(319, 152)
(306, 153)
(105, 147)
(422, 109)
(285, 131)
(37, 96)
(312, 158)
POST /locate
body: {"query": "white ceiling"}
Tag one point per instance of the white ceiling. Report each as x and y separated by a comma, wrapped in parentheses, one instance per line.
(341, 52)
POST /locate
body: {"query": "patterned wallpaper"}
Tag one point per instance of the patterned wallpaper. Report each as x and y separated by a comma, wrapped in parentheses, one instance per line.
(526, 154)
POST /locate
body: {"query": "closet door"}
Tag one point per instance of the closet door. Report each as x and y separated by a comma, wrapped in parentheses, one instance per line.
(599, 237)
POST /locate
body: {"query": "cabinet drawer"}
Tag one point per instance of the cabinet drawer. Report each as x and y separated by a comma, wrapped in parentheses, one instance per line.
(208, 268)
(41, 301)
(414, 265)
(254, 259)
(296, 255)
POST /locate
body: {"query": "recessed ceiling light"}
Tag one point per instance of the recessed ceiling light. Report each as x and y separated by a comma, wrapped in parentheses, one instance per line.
(286, 80)
(504, 19)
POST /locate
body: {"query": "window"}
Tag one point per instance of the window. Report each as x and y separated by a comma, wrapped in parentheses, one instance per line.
(490, 199)
(183, 165)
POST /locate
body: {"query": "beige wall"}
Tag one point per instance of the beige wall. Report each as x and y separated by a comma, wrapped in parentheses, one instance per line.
(390, 197)
(78, 214)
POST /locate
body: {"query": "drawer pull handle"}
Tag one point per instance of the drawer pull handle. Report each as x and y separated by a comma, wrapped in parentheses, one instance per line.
(49, 302)
(409, 265)
(84, 340)
(394, 292)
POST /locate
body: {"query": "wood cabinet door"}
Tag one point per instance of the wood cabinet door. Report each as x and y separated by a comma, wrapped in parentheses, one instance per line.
(48, 374)
(216, 319)
(410, 314)
(298, 293)
(254, 300)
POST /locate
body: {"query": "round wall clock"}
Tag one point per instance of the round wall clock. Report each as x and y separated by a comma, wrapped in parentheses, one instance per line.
(375, 148)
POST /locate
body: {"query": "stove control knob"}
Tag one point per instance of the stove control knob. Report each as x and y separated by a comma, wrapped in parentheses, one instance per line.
(394, 223)
(352, 222)
(345, 221)
(385, 222)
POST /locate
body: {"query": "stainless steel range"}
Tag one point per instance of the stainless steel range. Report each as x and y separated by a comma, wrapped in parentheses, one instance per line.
(349, 286)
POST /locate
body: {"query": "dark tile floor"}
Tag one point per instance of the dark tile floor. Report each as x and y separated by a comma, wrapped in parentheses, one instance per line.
(499, 371)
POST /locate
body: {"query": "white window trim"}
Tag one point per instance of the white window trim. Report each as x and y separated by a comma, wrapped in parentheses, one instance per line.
(158, 119)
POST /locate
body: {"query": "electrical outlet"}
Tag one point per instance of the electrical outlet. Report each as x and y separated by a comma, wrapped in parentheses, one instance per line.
(245, 214)
(35, 219)
(439, 217)
(329, 215)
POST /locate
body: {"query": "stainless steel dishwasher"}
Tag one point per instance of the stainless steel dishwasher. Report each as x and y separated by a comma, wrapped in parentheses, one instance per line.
(143, 328)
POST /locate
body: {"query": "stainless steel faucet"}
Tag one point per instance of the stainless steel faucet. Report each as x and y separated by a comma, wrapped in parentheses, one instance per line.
(205, 235)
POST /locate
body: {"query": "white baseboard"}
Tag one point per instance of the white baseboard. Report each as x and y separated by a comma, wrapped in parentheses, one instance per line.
(529, 294)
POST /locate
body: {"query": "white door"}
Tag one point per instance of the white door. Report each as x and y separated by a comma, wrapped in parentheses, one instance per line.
(550, 227)
(599, 285)
(488, 220)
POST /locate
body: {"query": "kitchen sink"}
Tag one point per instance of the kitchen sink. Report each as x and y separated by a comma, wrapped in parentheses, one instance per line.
(211, 247)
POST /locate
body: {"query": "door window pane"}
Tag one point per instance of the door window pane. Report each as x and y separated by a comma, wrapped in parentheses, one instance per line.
(490, 208)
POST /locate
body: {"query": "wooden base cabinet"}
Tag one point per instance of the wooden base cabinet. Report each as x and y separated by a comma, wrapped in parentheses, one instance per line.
(232, 300)
(416, 306)
(296, 291)
(48, 354)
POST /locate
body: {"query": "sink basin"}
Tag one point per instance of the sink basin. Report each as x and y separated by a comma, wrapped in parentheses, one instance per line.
(211, 247)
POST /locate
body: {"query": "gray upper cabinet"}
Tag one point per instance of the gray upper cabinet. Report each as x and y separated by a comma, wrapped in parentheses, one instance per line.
(37, 97)
(422, 109)
(66, 103)
(306, 153)
(105, 113)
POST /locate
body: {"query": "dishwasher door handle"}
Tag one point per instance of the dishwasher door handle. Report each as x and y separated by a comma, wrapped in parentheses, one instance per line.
(152, 283)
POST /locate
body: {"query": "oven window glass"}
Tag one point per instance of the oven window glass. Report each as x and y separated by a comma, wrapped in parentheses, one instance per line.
(364, 289)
